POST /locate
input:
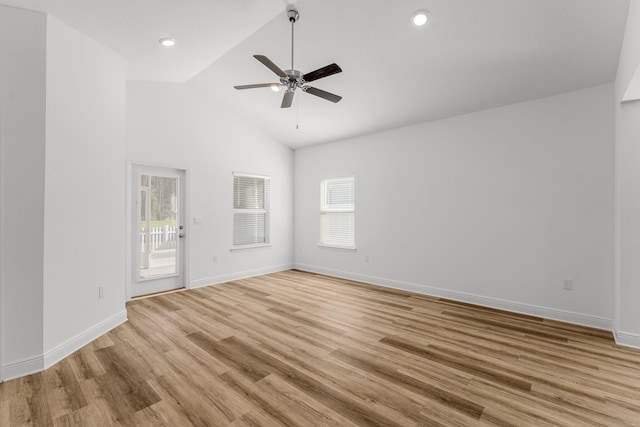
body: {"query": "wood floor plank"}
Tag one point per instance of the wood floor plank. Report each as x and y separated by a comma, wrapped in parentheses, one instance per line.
(187, 399)
(307, 409)
(66, 395)
(362, 388)
(301, 349)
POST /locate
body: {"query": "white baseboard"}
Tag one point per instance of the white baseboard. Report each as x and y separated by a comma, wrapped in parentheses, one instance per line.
(516, 307)
(22, 368)
(41, 362)
(215, 280)
(63, 350)
(627, 339)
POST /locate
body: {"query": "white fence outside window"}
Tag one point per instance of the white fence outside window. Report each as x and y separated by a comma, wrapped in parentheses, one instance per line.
(156, 239)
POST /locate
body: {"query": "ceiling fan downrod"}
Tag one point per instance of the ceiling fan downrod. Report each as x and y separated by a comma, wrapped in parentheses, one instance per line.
(293, 18)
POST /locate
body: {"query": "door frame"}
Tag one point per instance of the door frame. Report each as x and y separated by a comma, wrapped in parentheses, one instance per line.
(2, 182)
(131, 227)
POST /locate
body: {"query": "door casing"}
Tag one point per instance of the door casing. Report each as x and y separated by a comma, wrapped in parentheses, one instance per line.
(2, 157)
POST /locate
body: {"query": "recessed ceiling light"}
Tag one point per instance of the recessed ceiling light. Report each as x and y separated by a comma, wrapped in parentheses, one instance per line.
(420, 17)
(167, 41)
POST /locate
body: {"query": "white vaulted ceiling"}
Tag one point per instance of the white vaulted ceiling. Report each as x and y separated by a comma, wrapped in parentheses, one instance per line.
(471, 55)
(205, 29)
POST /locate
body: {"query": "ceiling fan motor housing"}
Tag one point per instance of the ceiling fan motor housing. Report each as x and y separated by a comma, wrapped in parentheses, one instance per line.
(293, 80)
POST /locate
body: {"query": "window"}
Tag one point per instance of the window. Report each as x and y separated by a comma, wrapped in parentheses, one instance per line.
(338, 212)
(250, 210)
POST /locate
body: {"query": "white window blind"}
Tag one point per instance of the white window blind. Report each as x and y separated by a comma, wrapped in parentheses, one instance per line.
(338, 212)
(250, 210)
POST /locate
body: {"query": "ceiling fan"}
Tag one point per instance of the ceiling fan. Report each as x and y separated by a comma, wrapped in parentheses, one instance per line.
(293, 79)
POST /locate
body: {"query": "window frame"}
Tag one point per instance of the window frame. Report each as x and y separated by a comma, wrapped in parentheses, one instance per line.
(324, 211)
(266, 210)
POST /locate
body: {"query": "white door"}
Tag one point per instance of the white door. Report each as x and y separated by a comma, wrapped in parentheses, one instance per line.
(158, 230)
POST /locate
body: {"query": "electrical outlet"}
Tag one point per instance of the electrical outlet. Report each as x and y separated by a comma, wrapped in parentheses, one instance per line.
(366, 258)
(100, 292)
(567, 284)
(215, 259)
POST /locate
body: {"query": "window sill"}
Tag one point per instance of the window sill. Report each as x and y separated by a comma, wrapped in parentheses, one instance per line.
(248, 247)
(340, 248)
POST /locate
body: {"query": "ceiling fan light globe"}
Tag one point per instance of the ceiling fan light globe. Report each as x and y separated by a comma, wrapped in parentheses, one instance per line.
(275, 88)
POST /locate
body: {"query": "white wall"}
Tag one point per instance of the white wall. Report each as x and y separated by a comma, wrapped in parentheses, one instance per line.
(627, 142)
(496, 207)
(173, 125)
(84, 240)
(22, 97)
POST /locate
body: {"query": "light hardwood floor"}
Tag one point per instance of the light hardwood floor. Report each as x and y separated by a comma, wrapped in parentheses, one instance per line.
(295, 348)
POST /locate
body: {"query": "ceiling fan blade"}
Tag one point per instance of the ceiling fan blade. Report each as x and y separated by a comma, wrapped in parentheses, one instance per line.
(287, 99)
(322, 72)
(322, 94)
(270, 65)
(256, 86)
